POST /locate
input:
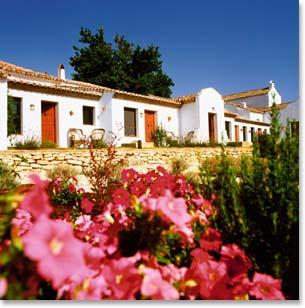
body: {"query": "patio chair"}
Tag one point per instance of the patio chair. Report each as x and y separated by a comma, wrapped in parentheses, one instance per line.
(76, 137)
(190, 137)
(170, 135)
(97, 134)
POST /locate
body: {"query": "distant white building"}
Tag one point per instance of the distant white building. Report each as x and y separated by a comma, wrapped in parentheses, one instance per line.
(47, 107)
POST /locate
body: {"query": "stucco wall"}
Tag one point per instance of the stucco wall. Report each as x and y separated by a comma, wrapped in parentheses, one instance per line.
(291, 112)
(167, 117)
(210, 101)
(3, 113)
(31, 119)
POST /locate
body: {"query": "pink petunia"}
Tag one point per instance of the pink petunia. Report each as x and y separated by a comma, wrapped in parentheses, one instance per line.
(236, 260)
(36, 201)
(265, 287)
(87, 205)
(122, 278)
(240, 286)
(121, 197)
(155, 287)
(138, 188)
(3, 286)
(58, 253)
(174, 210)
(212, 278)
(129, 175)
(211, 240)
(21, 222)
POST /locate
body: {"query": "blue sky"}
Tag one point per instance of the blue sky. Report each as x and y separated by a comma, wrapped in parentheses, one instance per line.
(231, 45)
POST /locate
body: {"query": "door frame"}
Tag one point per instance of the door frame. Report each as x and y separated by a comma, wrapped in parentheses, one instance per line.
(212, 128)
(56, 118)
(155, 121)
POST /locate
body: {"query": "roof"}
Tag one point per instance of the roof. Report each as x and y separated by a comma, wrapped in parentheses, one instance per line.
(186, 98)
(44, 80)
(245, 94)
(258, 109)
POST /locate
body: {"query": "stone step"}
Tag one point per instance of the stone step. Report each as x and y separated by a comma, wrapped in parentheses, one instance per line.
(148, 145)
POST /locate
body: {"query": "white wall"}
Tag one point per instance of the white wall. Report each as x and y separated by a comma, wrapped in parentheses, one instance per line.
(254, 101)
(31, 120)
(163, 113)
(189, 118)
(210, 101)
(291, 112)
(3, 114)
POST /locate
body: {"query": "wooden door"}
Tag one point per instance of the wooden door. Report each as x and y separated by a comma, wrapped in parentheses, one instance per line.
(150, 124)
(236, 133)
(212, 127)
(48, 121)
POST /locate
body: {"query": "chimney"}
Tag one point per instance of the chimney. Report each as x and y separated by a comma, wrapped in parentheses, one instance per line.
(243, 104)
(271, 84)
(61, 72)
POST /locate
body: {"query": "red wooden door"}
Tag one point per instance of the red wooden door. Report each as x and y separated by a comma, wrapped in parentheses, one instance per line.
(236, 133)
(212, 127)
(48, 121)
(150, 124)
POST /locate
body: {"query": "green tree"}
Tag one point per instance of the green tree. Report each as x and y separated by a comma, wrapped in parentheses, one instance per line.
(258, 203)
(121, 65)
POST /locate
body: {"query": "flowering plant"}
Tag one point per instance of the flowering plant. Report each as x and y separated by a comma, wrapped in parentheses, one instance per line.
(153, 240)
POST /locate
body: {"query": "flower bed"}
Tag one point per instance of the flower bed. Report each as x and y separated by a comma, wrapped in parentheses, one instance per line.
(152, 239)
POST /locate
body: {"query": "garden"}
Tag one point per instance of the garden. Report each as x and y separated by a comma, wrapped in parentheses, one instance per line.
(228, 232)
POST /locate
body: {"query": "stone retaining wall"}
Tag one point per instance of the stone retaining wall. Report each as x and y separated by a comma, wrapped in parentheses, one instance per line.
(140, 159)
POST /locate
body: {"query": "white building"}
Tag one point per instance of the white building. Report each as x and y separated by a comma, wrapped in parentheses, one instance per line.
(46, 107)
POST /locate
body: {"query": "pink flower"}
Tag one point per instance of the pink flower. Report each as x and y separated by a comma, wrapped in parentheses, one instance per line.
(93, 256)
(155, 287)
(122, 278)
(72, 188)
(236, 260)
(22, 222)
(36, 201)
(211, 240)
(240, 286)
(129, 175)
(265, 287)
(121, 196)
(3, 286)
(86, 205)
(213, 275)
(138, 188)
(59, 254)
(91, 289)
(173, 211)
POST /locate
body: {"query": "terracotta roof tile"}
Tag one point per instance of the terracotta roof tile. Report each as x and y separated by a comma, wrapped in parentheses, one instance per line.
(246, 94)
(45, 80)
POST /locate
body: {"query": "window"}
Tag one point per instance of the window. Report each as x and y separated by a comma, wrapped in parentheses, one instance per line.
(252, 133)
(88, 115)
(13, 115)
(244, 133)
(130, 122)
(228, 129)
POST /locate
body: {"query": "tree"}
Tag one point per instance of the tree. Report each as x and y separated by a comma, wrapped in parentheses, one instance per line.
(123, 66)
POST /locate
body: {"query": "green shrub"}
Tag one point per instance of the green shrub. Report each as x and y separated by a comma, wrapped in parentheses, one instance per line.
(233, 144)
(63, 171)
(178, 166)
(159, 136)
(99, 144)
(258, 202)
(48, 144)
(30, 143)
(8, 177)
